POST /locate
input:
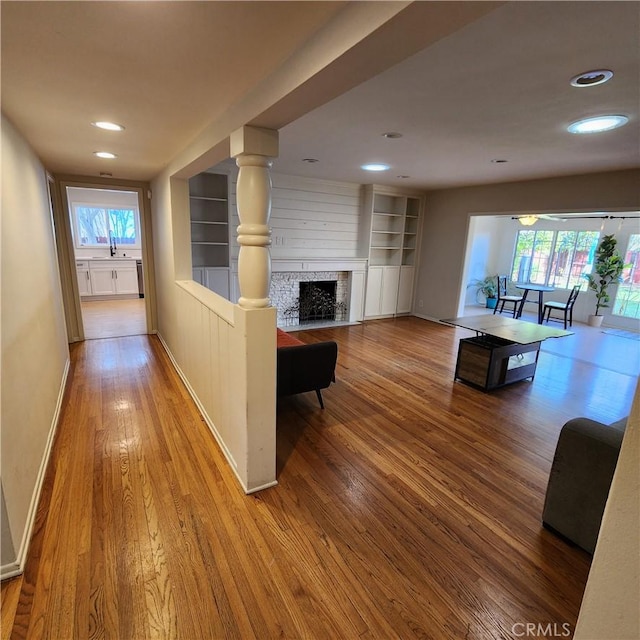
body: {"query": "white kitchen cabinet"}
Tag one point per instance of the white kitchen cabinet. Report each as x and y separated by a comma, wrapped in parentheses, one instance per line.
(110, 278)
(102, 280)
(126, 278)
(84, 279)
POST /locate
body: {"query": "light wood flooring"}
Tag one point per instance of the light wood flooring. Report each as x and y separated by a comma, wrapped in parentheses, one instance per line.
(113, 318)
(408, 508)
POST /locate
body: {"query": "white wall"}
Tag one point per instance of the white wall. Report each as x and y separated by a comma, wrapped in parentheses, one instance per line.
(35, 354)
(441, 274)
(485, 254)
(310, 219)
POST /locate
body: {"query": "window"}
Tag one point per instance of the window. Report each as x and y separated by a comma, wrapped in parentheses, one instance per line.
(558, 259)
(628, 295)
(94, 226)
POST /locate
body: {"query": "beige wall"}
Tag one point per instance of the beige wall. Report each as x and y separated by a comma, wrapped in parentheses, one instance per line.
(35, 353)
(447, 213)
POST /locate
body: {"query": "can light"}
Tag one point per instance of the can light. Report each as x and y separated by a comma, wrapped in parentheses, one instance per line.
(376, 166)
(108, 126)
(597, 124)
(105, 154)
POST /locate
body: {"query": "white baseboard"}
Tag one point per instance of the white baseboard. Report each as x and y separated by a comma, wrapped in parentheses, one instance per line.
(17, 567)
(212, 427)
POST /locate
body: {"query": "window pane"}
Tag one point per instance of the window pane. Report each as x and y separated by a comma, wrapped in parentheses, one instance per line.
(122, 224)
(522, 257)
(582, 265)
(573, 258)
(562, 258)
(559, 259)
(92, 226)
(96, 225)
(541, 256)
(627, 301)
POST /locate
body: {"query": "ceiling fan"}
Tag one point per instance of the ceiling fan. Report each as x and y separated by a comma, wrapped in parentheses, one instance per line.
(531, 219)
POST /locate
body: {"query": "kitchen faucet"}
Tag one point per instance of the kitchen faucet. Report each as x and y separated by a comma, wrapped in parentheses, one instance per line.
(113, 249)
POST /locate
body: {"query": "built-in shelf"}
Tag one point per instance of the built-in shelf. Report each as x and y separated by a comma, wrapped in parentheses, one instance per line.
(208, 200)
(392, 239)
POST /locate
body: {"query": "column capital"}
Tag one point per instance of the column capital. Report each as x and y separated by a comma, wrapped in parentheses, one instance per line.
(254, 141)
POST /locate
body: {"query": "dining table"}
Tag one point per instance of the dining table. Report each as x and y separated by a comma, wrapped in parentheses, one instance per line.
(541, 289)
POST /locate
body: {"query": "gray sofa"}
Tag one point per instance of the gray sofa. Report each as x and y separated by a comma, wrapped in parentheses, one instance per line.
(580, 478)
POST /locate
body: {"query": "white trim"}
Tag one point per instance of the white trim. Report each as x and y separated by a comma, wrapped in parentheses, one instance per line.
(211, 425)
(17, 567)
(267, 485)
(10, 571)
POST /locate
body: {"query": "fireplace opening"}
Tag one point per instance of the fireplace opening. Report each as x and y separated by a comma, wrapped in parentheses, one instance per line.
(317, 301)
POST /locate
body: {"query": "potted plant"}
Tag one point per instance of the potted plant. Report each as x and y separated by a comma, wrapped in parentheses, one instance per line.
(607, 269)
(488, 287)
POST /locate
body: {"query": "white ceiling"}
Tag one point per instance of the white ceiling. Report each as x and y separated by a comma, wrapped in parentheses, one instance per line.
(495, 89)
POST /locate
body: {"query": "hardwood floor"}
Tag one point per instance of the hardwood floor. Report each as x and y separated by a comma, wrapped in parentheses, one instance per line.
(113, 318)
(408, 508)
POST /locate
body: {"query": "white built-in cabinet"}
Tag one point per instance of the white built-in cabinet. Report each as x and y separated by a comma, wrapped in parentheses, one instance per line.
(394, 231)
(107, 277)
(209, 213)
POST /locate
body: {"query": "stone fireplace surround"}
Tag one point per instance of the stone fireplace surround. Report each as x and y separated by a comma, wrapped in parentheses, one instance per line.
(285, 290)
(349, 273)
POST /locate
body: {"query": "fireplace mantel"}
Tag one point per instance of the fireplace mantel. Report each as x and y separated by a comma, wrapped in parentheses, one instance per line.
(299, 264)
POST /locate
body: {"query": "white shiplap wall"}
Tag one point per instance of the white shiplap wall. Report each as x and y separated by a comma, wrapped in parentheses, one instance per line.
(309, 218)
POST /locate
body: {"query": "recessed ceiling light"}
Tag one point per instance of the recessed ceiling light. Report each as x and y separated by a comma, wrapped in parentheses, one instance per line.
(109, 126)
(310, 160)
(597, 124)
(499, 161)
(392, 135)
(376, 166)
(591, 78)
(105, 154)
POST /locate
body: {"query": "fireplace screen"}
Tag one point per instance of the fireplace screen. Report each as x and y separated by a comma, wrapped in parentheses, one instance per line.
(318, 301)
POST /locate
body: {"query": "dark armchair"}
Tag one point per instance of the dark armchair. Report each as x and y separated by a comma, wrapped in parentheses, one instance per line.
(305, 367)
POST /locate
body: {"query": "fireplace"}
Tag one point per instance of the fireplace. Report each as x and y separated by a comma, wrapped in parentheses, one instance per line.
(317, 301)
(306, 298)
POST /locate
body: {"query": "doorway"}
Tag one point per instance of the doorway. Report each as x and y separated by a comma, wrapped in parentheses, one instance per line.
(106, 234)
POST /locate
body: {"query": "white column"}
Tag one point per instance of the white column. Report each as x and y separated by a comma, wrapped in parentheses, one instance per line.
(253, 149)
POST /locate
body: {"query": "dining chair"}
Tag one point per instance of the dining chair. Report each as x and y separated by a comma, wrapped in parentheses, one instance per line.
(565, 307)
(505, 297)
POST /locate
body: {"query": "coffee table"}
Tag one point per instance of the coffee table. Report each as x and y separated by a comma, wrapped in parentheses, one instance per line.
(504, 350)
